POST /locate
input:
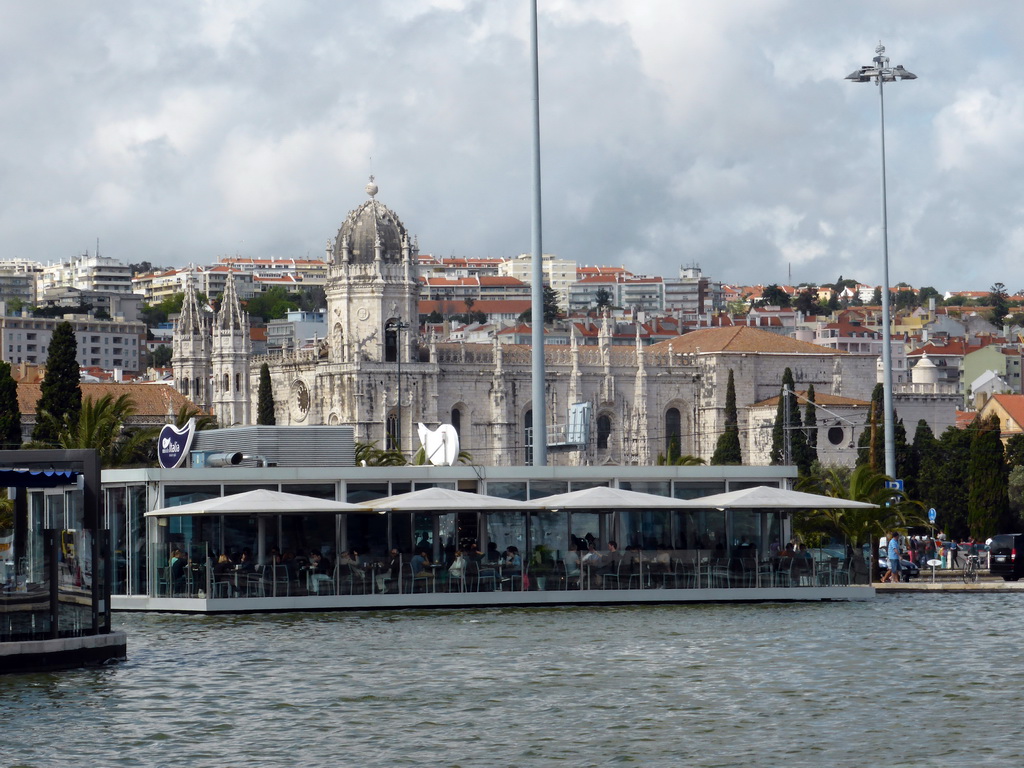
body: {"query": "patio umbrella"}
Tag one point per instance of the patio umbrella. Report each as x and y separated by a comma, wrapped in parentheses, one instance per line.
(259, 502)
(445, 500)
(609, 498)
(771, 497)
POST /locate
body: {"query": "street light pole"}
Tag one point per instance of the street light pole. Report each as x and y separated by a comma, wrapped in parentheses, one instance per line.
(880, 73)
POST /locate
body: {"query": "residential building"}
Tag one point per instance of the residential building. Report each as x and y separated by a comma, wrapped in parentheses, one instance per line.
(106, 344)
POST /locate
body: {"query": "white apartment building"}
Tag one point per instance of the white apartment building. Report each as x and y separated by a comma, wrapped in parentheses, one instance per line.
(106, 344)
(157, 286)
(18, 280)
(87, 273)
(560, 274)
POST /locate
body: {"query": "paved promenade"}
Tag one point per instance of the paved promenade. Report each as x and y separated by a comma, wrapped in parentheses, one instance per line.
(951, 581)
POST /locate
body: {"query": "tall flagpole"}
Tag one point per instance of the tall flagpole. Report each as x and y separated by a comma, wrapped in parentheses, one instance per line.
(540, 433)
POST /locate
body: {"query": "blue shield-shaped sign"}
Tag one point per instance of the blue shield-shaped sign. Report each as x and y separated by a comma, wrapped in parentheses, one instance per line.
(172, 445)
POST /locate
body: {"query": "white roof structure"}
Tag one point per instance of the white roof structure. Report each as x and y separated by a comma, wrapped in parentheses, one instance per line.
(770, 497)
(259, 502)
(603, 497)
(445, 500)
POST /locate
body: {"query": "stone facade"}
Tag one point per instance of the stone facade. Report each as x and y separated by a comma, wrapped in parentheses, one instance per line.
(376, 373)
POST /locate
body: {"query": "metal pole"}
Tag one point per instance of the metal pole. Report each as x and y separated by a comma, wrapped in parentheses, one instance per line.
(398, 409)
(540, 435)
(890, 433)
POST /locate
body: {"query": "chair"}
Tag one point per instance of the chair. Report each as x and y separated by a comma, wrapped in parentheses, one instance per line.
(457, 581)
(567, 575)
(616, 577)
(423, 579)
(276, 580)
(319, 583)
(486, 574)
(784, 572)
(355, 578)
(254, 584)
(765, 574)
(720, 576)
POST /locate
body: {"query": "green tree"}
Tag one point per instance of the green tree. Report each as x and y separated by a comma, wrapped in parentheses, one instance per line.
(807, 302)
(788, 426)
(1015, 451)
(369, 455)
(811, 428)
(773, 296)
(987, 501)
(161, 356)
(603, 299)
(10, 412)
(672, 457)
(272, 304)
(61, 392)
(876, 297)
(265, 398)
(203, 419)
(998, 299)
(856, 526)
(102, 425)
(928, 292)
(924, 448)
(551, 311)
(728, 451)
(942, 479)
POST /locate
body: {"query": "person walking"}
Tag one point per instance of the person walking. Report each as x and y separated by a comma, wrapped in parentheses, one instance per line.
(893, 552)
(954, 554)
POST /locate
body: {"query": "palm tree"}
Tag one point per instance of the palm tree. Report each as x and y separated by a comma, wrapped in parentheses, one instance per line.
(369, 455)
(102, 426)
(188, 411)
(858, 526)
(671, 456)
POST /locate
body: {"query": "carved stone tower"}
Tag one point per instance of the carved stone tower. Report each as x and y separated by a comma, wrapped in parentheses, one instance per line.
(230, 351)
(190, 350)
(372, 288)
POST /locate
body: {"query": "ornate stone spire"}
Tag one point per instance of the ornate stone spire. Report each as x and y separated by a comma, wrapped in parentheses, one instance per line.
(231, 316)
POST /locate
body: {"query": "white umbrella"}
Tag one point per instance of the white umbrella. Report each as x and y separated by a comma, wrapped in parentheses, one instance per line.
(259, 502)
(445, 500)
(609, 498)
(771, 497)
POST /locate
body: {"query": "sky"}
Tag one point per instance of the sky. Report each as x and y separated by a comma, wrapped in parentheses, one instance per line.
(718, 133)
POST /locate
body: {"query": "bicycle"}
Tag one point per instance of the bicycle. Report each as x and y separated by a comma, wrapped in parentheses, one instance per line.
(970, 574)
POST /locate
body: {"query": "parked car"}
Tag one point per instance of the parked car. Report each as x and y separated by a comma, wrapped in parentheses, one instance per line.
(908, 570)
(1006, 556)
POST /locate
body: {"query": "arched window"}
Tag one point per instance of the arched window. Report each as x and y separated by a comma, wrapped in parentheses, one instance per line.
(391, 426)
(673, 429)
(184, 387)
(390, 344)
(238, 382)
(528, 435)
(457, 422)
(227, 384)
(604, 431)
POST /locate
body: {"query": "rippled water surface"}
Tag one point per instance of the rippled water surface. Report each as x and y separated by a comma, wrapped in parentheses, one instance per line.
(901, 680)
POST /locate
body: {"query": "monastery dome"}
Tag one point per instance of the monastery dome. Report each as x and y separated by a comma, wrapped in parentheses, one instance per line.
(363, 227)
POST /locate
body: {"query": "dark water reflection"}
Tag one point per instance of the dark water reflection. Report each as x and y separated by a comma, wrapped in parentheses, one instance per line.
(902, 680)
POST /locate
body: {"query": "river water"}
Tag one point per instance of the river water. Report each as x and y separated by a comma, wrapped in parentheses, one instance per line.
(927, 679)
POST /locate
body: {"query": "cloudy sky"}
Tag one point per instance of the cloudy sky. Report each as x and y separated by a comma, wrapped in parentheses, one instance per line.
(674, 132)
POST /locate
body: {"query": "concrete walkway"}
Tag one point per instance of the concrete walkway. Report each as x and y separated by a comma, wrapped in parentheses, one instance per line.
(951, 581)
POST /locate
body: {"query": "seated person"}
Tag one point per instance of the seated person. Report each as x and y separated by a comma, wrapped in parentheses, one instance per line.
(458, 567)
(420, 562)
(320, 574)
(513, 566)
(572, 563)
(391, 570)
(178, 564)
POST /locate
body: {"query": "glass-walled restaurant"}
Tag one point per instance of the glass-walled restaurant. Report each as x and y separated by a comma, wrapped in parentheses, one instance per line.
(366, 552)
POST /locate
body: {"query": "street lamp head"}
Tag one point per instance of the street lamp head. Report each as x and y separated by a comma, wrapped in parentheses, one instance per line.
(880, 71)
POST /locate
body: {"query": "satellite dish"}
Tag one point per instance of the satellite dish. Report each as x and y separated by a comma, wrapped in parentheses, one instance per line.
(440, 445)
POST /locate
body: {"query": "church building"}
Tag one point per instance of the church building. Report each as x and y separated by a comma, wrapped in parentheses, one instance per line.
(375, 372)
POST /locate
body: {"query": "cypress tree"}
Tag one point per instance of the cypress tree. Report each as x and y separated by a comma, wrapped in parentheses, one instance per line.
(728, 450)
(10, 412)
(265, 398)
(797, 439)
(61, 391)
(871, 443)
(811, 427)
(987, 502)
